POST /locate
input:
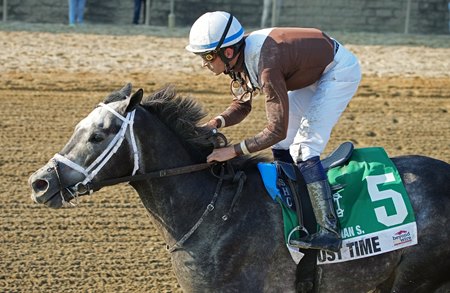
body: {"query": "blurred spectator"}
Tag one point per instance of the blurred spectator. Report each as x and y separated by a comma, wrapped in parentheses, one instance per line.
(270, 6)
(448, 4)
(137, 11)
(76, 11)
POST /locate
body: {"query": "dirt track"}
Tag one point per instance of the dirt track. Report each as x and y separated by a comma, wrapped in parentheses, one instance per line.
(50, 81)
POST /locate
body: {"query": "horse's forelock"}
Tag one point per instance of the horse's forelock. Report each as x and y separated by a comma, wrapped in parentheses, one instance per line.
(119, 95)
(114, 96)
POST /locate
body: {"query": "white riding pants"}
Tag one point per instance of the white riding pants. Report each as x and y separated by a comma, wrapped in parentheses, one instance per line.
(314, 110)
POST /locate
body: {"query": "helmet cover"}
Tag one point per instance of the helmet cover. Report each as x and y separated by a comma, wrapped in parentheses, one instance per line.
(208, 29)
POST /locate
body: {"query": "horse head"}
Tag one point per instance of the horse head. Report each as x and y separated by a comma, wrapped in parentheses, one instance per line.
(106, 134)
(119, 138)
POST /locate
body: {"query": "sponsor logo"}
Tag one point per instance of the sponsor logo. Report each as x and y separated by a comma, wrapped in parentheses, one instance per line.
(401, 232)
(401, 237)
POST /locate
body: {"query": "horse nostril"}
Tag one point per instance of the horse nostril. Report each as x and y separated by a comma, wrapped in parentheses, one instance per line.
(40, 185)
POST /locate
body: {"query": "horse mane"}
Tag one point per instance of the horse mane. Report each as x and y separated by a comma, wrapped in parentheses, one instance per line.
(182, 114)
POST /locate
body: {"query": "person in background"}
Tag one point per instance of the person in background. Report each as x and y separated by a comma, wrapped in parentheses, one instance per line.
(268, 9)
(307, 79)
(138, 4)
(76, 11)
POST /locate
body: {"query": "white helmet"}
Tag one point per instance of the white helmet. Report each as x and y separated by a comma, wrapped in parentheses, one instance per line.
(209, 29)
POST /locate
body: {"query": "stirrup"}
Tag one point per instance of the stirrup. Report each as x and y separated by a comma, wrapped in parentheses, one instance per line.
(306, 243)
(299, 229)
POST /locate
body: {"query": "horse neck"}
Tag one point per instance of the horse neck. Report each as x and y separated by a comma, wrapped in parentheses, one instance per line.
(174, 202)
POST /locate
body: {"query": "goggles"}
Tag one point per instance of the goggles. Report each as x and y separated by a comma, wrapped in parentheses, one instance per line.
(208, 56)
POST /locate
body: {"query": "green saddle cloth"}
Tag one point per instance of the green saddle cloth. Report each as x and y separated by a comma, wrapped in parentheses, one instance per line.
(373, 208)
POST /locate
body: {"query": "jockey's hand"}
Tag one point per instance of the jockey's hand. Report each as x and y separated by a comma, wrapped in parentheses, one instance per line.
(211, 124)
(209, 129)
(221, 154)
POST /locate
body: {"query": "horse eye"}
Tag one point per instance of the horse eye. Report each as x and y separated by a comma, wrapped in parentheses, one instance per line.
(96, 138)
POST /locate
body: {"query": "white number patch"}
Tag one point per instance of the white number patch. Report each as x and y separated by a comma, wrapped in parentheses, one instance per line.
(397, 199)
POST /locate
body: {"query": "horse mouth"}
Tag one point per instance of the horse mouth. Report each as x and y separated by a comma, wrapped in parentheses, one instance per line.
(51, 201)
(54, 199)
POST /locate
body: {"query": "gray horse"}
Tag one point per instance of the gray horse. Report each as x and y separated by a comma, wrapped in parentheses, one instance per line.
(225, 235)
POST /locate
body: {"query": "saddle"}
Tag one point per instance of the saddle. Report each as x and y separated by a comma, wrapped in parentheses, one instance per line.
(289, 179)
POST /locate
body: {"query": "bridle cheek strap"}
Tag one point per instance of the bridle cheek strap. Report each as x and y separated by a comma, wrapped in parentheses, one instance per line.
(92, 170)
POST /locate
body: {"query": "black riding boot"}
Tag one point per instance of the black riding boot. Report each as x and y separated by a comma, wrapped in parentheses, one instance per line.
(328, 236)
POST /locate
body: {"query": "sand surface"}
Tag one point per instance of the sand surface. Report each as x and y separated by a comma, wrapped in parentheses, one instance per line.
(52, 76)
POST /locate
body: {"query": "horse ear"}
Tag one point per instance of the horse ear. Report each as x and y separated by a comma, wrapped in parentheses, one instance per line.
(126, 90)
(119, 95)
(134, 100)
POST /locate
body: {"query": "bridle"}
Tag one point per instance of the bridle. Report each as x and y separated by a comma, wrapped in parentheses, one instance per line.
(86, 186)
(94, 168)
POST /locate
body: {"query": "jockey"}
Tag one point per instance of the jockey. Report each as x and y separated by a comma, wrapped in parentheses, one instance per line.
(307, 79)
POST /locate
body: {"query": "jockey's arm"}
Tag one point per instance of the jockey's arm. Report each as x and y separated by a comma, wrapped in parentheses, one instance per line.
(234, 114)
(277, 114)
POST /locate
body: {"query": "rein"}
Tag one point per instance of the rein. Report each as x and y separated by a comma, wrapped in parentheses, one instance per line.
(90, 187)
